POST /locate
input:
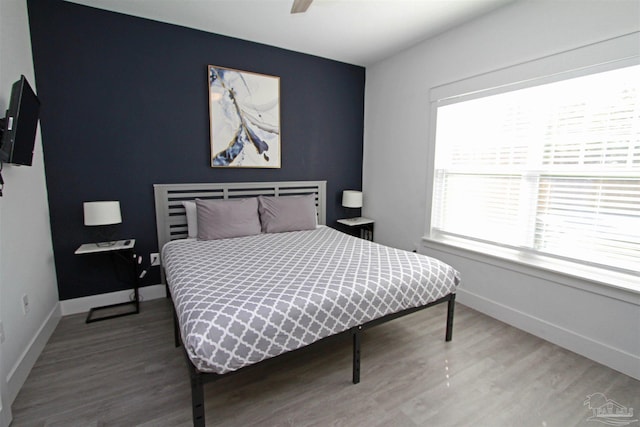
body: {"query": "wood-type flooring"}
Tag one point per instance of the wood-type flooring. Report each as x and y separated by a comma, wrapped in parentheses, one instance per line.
(126, 372)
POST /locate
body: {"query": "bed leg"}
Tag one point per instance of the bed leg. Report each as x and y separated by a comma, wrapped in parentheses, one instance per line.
(176, 329)
(450, 308)
(197, 398)
(356, 354)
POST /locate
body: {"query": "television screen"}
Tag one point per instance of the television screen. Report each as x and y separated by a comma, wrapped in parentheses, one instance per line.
(20, 124)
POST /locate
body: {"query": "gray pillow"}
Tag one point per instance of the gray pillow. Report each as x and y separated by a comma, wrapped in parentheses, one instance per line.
(287, 213)
(222, 219)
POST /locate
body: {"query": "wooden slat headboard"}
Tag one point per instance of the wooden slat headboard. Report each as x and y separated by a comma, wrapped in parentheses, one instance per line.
(171, 219)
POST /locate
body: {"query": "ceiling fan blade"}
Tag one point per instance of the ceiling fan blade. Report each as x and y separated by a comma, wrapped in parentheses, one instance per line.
(300, 6)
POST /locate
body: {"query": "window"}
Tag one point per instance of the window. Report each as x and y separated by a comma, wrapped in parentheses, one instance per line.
(552, 169)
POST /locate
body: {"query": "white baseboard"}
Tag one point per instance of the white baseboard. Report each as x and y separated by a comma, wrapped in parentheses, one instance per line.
(612, 357)
(84, 304)
(5, 416)
(20, 371)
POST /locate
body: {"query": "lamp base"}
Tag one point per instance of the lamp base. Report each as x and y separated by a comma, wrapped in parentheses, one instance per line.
(104, 234)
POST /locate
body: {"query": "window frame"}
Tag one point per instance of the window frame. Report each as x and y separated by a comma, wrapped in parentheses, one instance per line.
(607, 55)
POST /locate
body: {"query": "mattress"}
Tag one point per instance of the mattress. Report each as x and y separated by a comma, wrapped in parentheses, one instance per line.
(243, 300)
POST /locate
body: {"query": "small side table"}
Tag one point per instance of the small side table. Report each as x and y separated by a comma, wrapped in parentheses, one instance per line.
(361, 225)
(124, 249)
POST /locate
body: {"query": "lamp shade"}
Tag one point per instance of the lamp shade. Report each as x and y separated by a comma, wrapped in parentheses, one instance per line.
(352, 199)
(102, 213)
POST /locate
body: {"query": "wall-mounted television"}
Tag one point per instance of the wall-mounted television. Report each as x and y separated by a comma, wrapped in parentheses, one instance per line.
(19, 125)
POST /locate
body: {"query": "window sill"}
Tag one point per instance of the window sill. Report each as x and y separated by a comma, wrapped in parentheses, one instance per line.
(621, 286)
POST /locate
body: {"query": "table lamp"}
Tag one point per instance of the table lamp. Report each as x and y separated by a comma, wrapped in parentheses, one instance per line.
(352, 199)
(103, 214)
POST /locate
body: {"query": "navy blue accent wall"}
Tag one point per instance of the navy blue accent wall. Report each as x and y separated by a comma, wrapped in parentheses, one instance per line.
(124, 106)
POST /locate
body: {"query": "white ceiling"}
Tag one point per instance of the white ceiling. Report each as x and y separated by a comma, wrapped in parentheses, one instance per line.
(359, 32)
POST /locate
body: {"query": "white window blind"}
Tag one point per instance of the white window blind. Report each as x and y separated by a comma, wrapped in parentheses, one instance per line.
(551, 169)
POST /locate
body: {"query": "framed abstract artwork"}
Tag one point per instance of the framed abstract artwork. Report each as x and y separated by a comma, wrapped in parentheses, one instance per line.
(244, 111)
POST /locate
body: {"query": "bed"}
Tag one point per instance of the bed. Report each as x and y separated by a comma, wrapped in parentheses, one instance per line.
(241, 301)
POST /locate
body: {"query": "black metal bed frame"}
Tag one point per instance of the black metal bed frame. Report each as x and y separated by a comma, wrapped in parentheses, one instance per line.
(171, 223)
(198, 379)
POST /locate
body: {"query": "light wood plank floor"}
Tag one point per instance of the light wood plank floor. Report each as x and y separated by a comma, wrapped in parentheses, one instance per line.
(126, 372)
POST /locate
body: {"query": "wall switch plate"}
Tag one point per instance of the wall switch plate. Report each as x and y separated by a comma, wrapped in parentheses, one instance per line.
(155, 259)
(25, 303)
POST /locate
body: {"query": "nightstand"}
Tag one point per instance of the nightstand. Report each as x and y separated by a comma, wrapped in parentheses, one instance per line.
(124, 250)
(361, 226)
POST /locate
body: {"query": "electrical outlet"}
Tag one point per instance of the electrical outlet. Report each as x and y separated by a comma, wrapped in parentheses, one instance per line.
(1, 332)
(25, 303)
(155, 259)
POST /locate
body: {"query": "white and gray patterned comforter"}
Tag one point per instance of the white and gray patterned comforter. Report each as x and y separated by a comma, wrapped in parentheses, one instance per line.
(246, 299)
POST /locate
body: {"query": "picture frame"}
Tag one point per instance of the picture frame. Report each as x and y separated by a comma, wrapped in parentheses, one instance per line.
(244, 113)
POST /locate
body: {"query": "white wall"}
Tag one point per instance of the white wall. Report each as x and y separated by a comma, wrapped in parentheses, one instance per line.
(26, 254)
(570, 312)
